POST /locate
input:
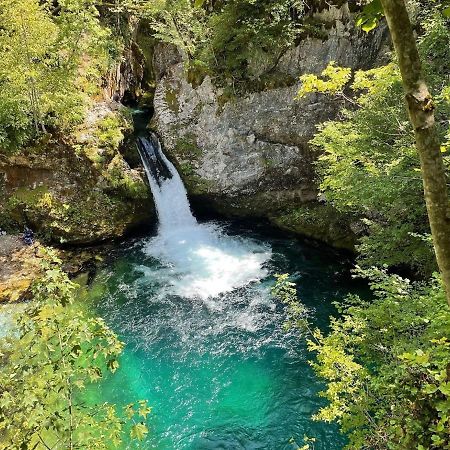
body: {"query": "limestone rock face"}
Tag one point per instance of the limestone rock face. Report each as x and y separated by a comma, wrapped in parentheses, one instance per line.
(250, 155)
(76, 189)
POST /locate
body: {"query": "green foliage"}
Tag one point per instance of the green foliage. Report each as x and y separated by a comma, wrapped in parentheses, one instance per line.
(51, 59)
(333, 81)
(285, 291)
(226, 39)
(385, 362)
(181, 23)
(124, 181)
(370, 16)
(55, 352)
(372, 11)
(102, 136)
(369, 166)
(247, 31)
(109, 131)
(386, 365)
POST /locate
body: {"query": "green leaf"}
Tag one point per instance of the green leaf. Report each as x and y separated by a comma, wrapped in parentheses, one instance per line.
(445, 388)
(139, 431)
(370, 16)
(129, 411)
(144, 409)
(113, 365)
(369, 24)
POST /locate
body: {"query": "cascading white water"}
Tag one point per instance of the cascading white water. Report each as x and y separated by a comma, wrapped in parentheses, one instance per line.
(169, 194)
(199, 260)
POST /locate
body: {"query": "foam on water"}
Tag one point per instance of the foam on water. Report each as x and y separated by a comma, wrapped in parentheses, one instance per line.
(200, 260)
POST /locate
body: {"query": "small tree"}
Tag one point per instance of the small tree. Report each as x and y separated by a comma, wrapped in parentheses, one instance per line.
(51, 58)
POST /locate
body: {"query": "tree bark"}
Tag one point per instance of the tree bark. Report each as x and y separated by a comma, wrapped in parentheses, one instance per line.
(421, 113)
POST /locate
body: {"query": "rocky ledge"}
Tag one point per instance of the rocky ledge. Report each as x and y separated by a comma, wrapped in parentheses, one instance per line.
(76, 189)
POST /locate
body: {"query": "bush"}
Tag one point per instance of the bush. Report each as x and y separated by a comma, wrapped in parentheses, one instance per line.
(55, 351)
(386, 365)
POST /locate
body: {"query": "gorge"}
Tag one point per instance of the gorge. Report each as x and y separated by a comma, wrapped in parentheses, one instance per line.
(219, 225)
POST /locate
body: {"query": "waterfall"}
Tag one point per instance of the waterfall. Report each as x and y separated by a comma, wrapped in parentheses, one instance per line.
(168, 191)
(199, 260)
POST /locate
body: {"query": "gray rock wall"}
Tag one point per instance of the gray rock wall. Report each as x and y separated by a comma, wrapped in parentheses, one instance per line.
(251, 155)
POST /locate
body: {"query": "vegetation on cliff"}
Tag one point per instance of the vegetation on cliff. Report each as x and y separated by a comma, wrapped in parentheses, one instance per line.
(62, 170)
(386, 362)
(229, 40)
(52, 60)
(369, 164)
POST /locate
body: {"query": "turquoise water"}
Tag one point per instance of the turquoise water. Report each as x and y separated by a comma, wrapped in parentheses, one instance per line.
(219, 370)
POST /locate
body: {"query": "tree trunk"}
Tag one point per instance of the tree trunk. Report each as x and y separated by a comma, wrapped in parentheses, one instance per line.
(421, 113)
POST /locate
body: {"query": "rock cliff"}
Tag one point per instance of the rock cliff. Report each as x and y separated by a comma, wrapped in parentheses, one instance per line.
(249, 155)
(242, 154)
(76, 189)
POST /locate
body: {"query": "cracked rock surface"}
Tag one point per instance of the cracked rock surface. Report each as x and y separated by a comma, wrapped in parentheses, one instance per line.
(250, 155)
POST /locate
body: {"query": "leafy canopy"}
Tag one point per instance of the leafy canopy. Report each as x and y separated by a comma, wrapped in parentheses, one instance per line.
(369, 166)
(51, 60)
(227, 39)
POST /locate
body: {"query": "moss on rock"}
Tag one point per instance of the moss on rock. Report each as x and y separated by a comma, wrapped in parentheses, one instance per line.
(186, 147)
(76, 189)
(319, 221)
(125, 182)
(171, 98)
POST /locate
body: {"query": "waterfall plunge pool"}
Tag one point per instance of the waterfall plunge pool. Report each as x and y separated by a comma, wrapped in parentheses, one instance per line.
(205, 341)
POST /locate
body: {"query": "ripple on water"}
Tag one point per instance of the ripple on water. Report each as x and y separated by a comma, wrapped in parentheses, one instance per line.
(206, 344)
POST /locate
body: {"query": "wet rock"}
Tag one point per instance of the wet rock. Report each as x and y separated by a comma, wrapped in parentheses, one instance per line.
(321, 222)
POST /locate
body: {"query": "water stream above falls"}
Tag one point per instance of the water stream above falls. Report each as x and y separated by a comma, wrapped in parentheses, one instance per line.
(205, 341)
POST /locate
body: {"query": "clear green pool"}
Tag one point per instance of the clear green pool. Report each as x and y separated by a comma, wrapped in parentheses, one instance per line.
(205, 342)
